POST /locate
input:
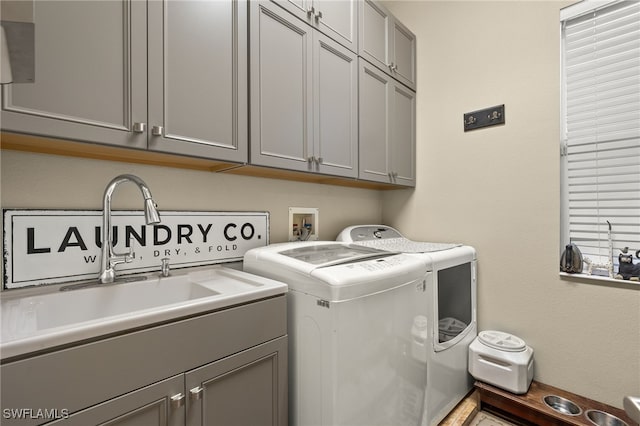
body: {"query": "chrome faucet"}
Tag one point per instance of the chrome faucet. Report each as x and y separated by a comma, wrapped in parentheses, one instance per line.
(109, 257)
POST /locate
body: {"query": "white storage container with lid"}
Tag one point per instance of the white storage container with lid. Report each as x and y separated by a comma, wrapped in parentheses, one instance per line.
(501, 359)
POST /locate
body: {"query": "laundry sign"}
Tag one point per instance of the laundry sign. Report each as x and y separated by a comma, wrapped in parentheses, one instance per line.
(53, 246)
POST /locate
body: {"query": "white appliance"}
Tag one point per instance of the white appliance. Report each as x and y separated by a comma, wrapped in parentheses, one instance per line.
(351, 320)
(449, 312)
(503, 360)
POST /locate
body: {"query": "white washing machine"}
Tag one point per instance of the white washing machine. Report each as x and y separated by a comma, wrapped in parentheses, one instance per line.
(450, 317)
(351, 313)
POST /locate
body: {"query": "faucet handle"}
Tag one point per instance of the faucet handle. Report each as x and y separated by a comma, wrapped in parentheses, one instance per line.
(128, 257)
(117, 258)
(165, 268)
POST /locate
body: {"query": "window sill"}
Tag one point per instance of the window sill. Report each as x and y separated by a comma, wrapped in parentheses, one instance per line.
(600, 280)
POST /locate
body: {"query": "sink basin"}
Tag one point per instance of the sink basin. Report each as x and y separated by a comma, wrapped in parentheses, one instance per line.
(37, 320)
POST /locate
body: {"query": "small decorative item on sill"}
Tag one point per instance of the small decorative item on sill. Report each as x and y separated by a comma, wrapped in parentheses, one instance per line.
(608, 265)
(571, 259)
(626, 269)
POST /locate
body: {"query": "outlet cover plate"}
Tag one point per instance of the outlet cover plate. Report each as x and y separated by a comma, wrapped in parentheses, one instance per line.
(492, 116)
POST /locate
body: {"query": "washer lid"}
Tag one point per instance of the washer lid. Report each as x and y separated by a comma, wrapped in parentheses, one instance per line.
(333, 254)
(502, 341)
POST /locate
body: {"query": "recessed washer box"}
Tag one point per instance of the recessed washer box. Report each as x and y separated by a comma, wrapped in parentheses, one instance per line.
(304, 223)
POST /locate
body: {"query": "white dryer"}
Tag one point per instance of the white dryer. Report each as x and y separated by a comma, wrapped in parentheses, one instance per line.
(450, 317)
(351, 313)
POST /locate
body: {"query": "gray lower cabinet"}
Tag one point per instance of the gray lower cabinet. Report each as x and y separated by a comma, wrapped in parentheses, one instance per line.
(303, 96)
(387, 43)
(168, 76)
(227, 367)
(244, 389)
(149, 406)
(387, 118)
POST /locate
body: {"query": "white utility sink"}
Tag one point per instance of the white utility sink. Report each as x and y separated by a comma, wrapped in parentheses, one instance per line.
(38, 319)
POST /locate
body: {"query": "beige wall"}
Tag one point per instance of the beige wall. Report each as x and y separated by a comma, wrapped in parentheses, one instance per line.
(49, 181)
(497, 188)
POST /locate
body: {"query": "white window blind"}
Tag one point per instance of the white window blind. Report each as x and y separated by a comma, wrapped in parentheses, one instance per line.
(601, 129)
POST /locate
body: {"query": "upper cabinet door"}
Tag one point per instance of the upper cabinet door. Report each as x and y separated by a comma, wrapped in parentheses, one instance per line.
(335, 95)
(387, 43)
(374, 123)
(281, 86)
(387, 128)
(402, 146)
(375, 37)
(404, 55)
(198, 78)
(337, 19)
(91, 72)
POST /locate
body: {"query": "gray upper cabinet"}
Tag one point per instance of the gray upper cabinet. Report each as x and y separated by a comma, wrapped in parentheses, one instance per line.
(198, 78)
(91, 74)
(303, 96)
(387, 43)
(93, 67)
(190, 78)
(387, 128)
(337, 19)
(402, 146)
(403, 55)
(335, 125)
(281, 103)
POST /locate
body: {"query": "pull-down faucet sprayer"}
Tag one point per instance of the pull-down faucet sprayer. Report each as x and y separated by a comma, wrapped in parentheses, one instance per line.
(109, 257)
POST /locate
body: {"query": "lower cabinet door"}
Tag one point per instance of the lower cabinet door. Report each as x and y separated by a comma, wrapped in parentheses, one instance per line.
(159, 404)
(248, 388)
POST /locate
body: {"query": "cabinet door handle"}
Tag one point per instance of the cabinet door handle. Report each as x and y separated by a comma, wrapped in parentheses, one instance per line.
(157, 130)
(177, 400)
(318, 16)
(196, 393)
(139, 127)
(311, 11)
(320, 160)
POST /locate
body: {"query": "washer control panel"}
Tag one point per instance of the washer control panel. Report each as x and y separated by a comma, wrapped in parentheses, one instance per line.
(386, 238)
(373, 232)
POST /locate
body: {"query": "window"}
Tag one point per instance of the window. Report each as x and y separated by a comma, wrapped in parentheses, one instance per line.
(601, 129)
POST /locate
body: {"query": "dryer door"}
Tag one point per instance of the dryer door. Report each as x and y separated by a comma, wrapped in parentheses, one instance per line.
(455, 314)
